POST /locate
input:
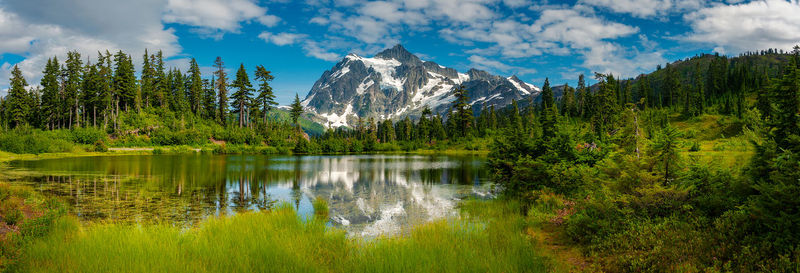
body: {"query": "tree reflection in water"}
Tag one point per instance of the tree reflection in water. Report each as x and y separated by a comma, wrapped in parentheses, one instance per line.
(367, 194)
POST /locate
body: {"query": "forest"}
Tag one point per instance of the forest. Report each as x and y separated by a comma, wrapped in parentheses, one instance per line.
(692, 167)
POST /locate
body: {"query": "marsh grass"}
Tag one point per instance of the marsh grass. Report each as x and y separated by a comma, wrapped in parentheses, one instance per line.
(279, 241)
(321, 209)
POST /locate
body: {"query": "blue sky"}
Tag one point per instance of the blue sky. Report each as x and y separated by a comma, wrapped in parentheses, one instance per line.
(298, 40)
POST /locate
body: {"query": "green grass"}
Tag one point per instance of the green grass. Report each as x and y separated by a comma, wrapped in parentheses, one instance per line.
(279, 241)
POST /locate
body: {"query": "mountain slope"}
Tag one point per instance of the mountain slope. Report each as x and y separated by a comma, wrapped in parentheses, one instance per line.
(395, 83)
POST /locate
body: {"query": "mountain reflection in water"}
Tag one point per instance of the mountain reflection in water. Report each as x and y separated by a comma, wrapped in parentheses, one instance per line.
(367, 194)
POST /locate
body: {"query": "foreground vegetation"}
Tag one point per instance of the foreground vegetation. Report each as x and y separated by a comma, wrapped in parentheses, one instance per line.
(691, 186)
(489, 238)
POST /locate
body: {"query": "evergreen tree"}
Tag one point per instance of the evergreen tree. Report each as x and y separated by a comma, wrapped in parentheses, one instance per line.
(296, 110)
(568, 101)
(147, 81)
(605, 115)
(424, 125)
(209, 98)
(160, 93)
(92, 84)
(125, 81)
(461, 113)
(787, 105)
(665, 152)
(549, 111)
(694, 99)
(266, 98)
(222, 90)
(582, 96)
(242, 96)
(72, 86)
(17, 99)
(196, 87)
(105, 92)
(50, 98)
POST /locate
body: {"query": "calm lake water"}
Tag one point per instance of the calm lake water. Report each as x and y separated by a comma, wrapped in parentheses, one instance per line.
(367, 194)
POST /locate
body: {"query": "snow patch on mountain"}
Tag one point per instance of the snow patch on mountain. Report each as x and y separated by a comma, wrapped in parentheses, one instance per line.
(335, 120)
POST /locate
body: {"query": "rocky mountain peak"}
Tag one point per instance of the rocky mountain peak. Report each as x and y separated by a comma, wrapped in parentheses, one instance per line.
(395, 84)
(398, 52)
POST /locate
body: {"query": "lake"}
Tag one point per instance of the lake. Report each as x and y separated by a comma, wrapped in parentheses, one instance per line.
(368, 195)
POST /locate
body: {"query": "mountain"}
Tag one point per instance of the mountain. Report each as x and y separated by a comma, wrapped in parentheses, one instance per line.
(395, 84)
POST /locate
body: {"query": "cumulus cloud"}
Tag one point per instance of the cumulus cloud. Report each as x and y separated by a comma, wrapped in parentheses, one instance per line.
(281, 39)
(646, 8)
(38, 30)
(484, 63)
(751, 26)
(214, 17)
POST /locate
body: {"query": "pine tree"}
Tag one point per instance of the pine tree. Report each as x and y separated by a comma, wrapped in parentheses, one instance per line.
(787, 104)
(665, 152)
(424, 125)
(694, 98)
(160, 93)
(582, 97)
(50, 99)
(606, 111)
(549, 111)
(266, 98)
(568, 101)
(16, 100)
(125, 81)
(222, 90)
(242, 96)
(209, 98)
(92, 84)
(296, 110)
(72, 86)
(106, 89)
(196, 87)
(147, 81)
(461, 112)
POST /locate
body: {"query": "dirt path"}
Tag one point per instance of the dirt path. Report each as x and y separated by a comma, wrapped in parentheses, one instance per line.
(550, 237)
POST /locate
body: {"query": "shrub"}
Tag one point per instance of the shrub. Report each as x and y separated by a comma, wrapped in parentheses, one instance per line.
(100, 146)
(33, 141)
(88, 135)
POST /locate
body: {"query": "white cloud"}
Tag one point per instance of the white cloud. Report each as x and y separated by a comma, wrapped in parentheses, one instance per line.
(646, 8)
(38, 30)
(213, 16)
(281, 39)
(484, 63)
(752, 26)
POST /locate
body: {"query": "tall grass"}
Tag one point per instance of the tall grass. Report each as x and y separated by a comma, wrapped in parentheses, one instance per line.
(278, 241)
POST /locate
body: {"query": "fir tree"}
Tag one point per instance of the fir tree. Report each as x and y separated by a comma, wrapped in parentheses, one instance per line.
(549, 111)
(266, 98)
(16, 100)
(196, 87)
(296, 110)
(72, 86)
(461, 112)
(125, 81)
(50, 98)
(222, 90)
(242, 96)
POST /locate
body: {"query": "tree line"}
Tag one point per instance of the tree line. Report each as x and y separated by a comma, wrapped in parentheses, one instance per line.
(74, 94)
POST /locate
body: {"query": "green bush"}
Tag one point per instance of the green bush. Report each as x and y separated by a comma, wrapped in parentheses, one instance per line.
(33, 141)
(88, 135)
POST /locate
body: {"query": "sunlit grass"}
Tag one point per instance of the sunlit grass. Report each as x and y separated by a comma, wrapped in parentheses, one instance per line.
(278, 240)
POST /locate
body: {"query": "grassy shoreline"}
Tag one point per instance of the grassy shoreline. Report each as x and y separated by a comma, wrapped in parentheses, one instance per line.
(7, 156)
(488, 237)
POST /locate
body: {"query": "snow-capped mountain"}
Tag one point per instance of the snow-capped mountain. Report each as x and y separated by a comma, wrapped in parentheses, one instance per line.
(395, 84)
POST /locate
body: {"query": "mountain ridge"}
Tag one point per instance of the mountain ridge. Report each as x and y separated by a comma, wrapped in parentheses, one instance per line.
(396, 83)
